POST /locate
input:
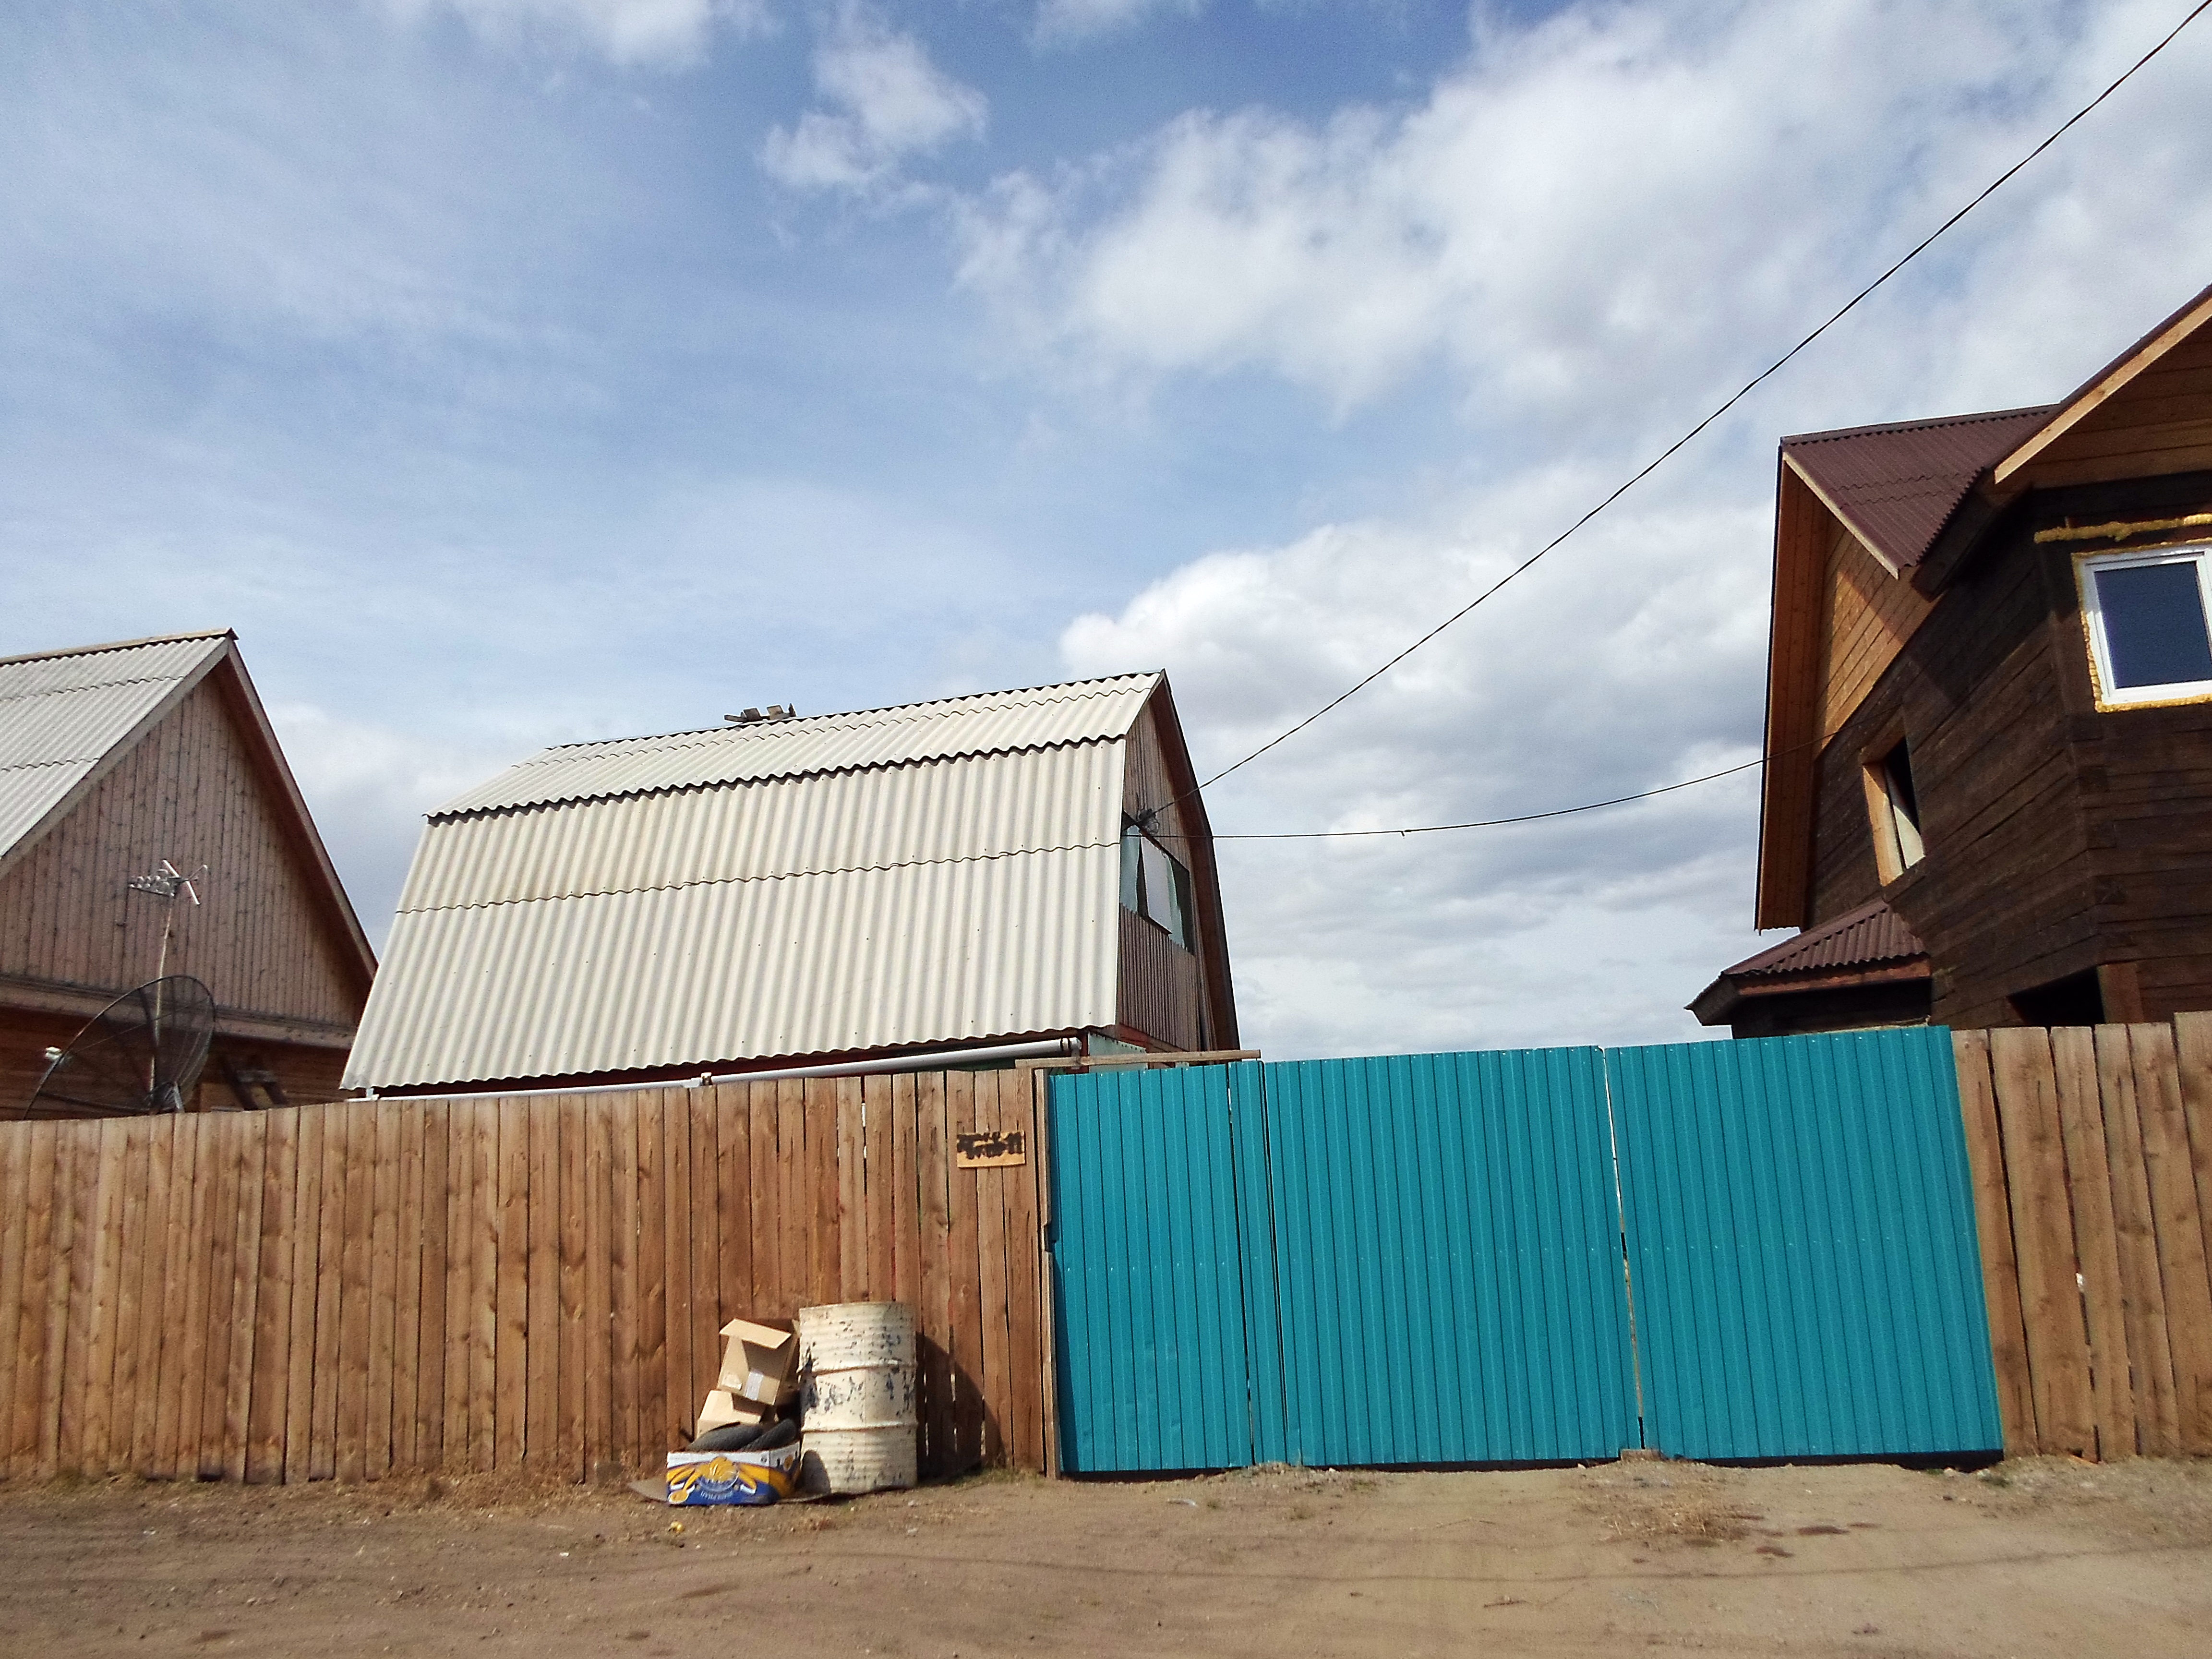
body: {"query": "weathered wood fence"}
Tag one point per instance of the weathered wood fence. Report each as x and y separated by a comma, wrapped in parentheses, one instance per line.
(2092, 1153)
(378, 1288)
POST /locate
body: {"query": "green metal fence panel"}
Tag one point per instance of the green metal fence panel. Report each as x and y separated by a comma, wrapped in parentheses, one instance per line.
(1154, 1367)
(1448, 1259)
(1800, 1232)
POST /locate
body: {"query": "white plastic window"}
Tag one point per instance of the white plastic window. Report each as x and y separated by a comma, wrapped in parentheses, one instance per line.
(2148, 635)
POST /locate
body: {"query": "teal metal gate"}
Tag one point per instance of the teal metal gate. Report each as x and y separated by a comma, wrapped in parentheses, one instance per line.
(1477, 1258)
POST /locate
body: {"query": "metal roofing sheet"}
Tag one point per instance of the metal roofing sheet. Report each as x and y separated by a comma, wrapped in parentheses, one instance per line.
(61, 714)
(920, 904)
(990, 723)
(1872, 934)
(1898, 485)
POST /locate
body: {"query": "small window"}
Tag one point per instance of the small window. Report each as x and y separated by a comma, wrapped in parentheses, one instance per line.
(1155, 884)
(1894, 808)
(2148, 634)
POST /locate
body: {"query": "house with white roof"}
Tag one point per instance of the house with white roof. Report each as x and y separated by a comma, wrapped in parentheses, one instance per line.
(981, 875)
(116, 761)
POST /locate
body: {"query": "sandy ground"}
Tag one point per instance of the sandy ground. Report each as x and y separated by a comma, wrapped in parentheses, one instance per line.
(2046, 1557)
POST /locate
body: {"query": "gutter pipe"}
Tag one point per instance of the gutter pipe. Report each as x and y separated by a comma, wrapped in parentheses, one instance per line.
(1041, 1048)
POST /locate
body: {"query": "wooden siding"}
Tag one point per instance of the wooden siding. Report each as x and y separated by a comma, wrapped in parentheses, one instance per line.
(2092, 1209)
(1867, 614)
(383, 1288)
(2156, 424)
(191, 791)
(2058, 838)
(1177, 997)
(305, 1073)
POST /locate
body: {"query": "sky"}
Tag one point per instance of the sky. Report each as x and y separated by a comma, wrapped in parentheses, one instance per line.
(509, 373)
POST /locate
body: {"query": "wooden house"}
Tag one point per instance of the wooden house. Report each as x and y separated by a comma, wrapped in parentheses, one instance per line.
(1988, 794)
(1014, 871)
(114, 759)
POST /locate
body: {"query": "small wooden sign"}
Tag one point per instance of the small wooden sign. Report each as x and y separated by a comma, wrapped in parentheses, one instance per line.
(997, 1151)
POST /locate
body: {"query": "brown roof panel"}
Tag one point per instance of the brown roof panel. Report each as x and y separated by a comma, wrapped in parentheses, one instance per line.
(1898, 485)
(1871, 934)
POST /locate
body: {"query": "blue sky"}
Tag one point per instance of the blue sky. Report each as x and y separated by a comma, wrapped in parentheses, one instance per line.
(509, 372)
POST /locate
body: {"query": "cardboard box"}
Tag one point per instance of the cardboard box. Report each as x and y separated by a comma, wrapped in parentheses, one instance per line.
(761, 1363)
(732, 1478)
(721, 1407)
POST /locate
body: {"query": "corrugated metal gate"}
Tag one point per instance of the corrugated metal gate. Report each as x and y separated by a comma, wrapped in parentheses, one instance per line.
(1430, 1259)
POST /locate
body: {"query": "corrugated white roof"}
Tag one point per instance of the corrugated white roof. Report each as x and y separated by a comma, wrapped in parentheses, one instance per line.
(904, 877)
(61, 712)
(990, 723)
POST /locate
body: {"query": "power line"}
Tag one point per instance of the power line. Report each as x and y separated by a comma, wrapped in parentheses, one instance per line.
(1736, 397)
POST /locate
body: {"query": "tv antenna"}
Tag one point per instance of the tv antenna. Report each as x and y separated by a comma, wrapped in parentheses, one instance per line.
(169, 884)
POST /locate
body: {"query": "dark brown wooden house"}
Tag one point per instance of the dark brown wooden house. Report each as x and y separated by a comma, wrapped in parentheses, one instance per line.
(1990, 713)
(114, 759)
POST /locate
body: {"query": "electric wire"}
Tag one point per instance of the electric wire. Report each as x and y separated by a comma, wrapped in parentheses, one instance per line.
(1737, 396)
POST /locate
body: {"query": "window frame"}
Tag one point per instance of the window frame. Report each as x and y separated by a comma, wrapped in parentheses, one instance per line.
(1136, 887)
(2167, 694)
(1893, 856)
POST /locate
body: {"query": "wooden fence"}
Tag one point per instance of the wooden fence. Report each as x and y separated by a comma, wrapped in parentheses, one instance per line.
(2092, 1153)
(373, 1289)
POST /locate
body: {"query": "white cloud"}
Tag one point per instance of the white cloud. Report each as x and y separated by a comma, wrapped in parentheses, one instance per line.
(1594, 228)
(660, 33)
(1649, 195)
(886, 100)
(1070, 22)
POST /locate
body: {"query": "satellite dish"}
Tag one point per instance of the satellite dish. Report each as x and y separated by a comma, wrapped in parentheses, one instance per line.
(143, 1053)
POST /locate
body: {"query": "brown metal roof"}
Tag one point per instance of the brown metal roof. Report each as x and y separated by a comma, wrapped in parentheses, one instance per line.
(1871, 934)
(1898, 485)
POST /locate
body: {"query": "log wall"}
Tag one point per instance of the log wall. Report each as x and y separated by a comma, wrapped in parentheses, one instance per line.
(375, 1289)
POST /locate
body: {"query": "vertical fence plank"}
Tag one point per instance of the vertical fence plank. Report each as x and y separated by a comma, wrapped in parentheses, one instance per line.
(989, 1187)
(704, 1110)
(511, 1336)
(966, 1277)
(170, 1455)
(272, 1306)
(819, 1214)
(2043, 1237)
(621, 1274)
(307, 1276)
(2180, 1232)
(152, 1261)
(219, 1135)
(541, 1425)
(1024, 1351)
(793, 1201)
(598, 1284)
(2089, 1181)
(358, 1183)
(652, 1425)
(2136, 1244)
(431, 1357)
(250, 1139)
(2192, 1042)
(734, 1200)
(382, 1178)
(329, 1294)
(905, 1192)
(676, 1404)
(934, 1315)
(763, 1108)
(97, 1381)
(852, 1194)
(485, 1218)
(130, 1247)
(574, 1121)
(22, 1452)
(14, 1224)
(407, 1287)
(195, 1256)
(876, 1186)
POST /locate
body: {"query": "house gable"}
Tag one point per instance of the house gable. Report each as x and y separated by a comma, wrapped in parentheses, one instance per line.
(197, 779)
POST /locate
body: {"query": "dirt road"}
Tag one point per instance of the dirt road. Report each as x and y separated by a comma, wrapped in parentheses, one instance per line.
(2042, 1557)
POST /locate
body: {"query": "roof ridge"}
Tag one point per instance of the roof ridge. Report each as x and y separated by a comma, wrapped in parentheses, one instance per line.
(763, 728)
(121, 644)
(1925, 423)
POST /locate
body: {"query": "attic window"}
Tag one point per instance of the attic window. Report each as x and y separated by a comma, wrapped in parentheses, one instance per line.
(1155, 884)
(1893, 807)
(2148, 634)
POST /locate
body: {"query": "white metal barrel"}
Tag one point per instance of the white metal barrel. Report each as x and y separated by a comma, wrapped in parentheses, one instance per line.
(856, 1392)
